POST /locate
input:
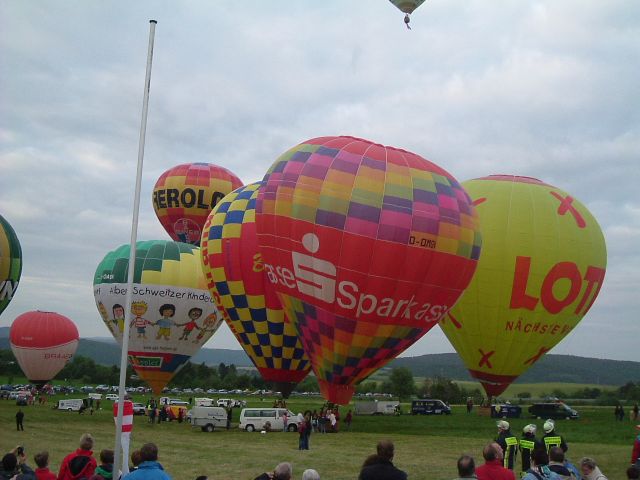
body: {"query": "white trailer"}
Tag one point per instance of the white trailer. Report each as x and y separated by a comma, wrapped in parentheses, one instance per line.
(207, 418)
(72, 405)
(377, 408)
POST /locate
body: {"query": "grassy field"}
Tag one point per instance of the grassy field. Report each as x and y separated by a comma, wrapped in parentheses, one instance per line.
(426, 447)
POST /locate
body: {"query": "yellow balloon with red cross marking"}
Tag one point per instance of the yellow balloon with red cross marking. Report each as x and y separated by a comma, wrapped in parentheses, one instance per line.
(542, 265)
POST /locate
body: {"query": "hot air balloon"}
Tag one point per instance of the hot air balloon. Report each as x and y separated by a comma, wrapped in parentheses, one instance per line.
(367, 246)
(43, 343)
(233, 266)
(542, 265)
(185, 194)
(10, 263)
(173, 314)
(407, 7)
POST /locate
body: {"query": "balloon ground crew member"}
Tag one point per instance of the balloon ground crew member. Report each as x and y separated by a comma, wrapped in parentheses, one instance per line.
(509, 444)
(551, 438)
(527, 444)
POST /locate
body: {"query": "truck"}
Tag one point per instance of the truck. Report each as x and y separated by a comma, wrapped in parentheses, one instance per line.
(377, 407)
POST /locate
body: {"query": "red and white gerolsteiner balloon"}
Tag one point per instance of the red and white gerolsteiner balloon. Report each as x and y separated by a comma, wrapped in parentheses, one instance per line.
(43, 343)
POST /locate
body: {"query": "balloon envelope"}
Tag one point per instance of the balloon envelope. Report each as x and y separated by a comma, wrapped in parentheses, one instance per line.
(172, 314)
(233, 266)
(407, 6)
(184, 195)
(367, 247)
(10, 263)
(43, 343)
(542, 265)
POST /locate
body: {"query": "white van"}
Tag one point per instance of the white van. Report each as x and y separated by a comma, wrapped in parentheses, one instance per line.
(203, 402)
(208, 418)
(255, 419)
(72, 405)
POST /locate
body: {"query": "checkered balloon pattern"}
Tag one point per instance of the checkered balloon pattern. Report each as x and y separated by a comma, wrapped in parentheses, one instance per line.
(184, 195)
(367, 246)
(236, 278)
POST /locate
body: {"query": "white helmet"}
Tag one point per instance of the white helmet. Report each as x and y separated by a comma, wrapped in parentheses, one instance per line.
(503, 425)
(548, 426)
(531, 429)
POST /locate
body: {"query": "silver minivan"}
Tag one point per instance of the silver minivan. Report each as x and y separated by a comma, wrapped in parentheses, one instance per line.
(252, 419)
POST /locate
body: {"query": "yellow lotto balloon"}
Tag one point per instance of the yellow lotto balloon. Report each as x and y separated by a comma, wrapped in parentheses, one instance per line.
(542, 265)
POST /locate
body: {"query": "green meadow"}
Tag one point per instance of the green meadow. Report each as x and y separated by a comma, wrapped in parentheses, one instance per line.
(427, 447)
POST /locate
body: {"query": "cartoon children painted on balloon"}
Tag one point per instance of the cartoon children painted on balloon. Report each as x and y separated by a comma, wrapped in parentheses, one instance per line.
(139, 308)
(166, 322)
(118, 316)
(194, 314)
(210, 324)
(105, 316)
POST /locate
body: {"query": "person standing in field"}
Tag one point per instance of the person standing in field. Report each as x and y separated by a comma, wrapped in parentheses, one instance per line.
(19, 420)
(508, 442)
(551, 438)
(527, 444)
(635, 454)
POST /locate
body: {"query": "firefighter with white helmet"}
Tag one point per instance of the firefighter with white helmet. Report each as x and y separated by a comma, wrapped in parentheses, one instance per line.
(527, 444)
(508, 442)
(551, 438)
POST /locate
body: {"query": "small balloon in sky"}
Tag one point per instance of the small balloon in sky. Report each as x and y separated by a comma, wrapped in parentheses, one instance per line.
(543, 263)
(184, 195)
(407, 7)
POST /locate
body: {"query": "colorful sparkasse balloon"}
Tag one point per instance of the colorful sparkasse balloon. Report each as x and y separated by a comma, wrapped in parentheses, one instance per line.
(367, 246)
(407, 7)
(10, 263)
(184, 195)
(233, 266)
(172, 313)
(43, 343)
(542, 265)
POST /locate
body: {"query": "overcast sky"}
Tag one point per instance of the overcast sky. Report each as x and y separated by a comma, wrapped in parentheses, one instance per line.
(541, 88)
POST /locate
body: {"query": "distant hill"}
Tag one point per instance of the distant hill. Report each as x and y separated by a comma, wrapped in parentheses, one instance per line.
(551, 368)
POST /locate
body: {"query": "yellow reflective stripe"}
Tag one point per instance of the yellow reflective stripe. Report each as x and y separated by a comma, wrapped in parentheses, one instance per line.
(527, 444)
(552, 442)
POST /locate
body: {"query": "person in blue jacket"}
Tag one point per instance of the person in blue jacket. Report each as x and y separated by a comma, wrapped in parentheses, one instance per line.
(150, 468)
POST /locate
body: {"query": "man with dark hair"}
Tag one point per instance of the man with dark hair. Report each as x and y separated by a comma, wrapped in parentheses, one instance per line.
(19, 420)
(150, 468)
(79, 464)
(105, 469)
(557, 465)
(466, 467)
(492, 468)
(14, 467)
(43, 472)
(383, 468)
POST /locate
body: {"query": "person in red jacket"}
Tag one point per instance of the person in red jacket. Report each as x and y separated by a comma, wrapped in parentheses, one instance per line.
(80, 463)
(43, 472)
(492, 468)
(635, 455)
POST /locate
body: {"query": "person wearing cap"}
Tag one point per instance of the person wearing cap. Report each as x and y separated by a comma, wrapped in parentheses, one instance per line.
(527, 444)
(551, 438)
(509, 444)
(635, 454)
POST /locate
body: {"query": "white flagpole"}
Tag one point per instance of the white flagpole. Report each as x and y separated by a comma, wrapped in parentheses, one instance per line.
(118, 461)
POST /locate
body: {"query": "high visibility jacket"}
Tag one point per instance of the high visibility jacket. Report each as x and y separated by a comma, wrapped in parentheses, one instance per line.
(552, 441)
(510, 452)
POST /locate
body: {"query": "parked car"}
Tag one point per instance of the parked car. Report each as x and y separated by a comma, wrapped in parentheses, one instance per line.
(252, 419)
(112, 396)
(425, 406)
(555, 410)
(139, 409)
(506, 410)
(231, 402)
